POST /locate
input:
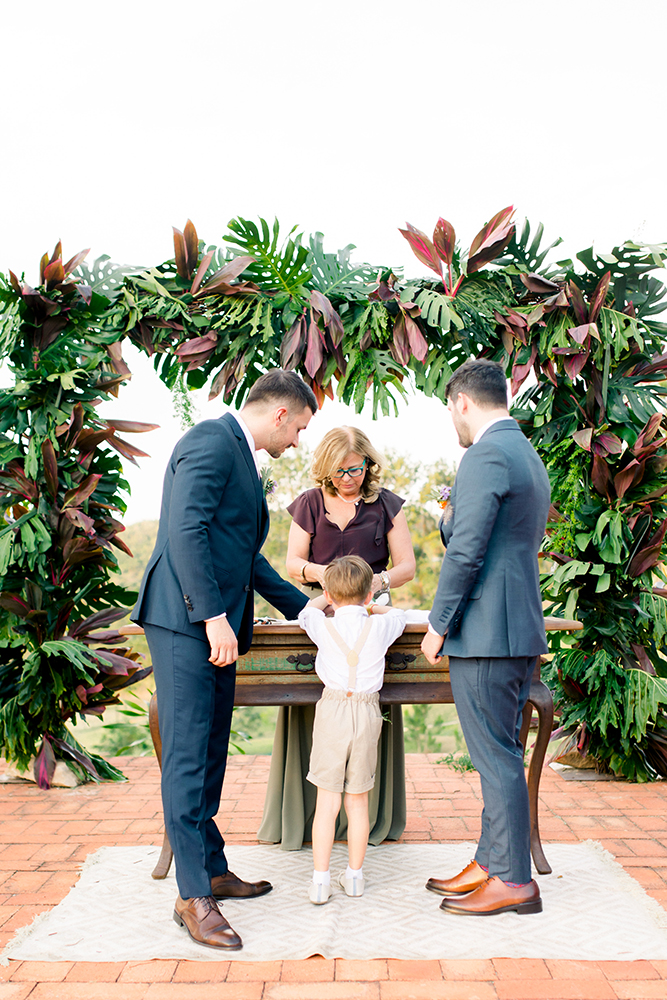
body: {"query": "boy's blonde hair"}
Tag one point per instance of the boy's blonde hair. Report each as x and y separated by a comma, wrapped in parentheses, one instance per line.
(331, 452)
(348, 580)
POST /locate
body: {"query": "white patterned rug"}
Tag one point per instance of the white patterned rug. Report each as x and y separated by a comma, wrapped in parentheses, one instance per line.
(592, 910)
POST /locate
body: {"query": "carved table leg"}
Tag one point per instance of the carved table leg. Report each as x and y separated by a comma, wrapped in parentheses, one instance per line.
(540, 699)
(161, 869)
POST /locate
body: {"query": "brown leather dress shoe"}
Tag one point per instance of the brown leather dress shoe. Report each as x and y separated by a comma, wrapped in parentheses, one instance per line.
(205, 923)
(470, 878)
(230, 886)
(494, 896)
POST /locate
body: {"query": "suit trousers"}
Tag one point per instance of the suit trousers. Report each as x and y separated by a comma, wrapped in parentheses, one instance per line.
(489, 694)
(195, 703)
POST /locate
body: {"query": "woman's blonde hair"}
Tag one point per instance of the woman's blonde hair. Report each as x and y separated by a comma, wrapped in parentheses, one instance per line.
(331, 452)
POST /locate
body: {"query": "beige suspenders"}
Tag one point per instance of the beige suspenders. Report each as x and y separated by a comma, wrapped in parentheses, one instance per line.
(352, 655)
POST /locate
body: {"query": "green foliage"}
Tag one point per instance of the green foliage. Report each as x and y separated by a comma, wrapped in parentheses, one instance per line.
(586, 329)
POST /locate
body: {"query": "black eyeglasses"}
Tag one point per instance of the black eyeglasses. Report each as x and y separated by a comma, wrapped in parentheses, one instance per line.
(355, 471)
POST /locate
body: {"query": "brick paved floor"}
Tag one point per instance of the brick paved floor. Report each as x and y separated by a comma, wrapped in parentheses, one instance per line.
(45, 836)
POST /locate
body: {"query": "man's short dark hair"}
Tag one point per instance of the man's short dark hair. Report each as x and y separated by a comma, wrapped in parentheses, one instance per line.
(484, 381)
(280, 386)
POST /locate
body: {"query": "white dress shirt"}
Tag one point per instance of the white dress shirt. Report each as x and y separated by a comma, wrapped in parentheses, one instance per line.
(331, 663)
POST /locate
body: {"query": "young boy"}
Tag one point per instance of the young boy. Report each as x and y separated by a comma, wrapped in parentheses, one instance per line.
(351, 649)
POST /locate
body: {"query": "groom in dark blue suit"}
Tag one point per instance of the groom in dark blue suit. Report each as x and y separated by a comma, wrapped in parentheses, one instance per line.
(487, 617)
(196, 607)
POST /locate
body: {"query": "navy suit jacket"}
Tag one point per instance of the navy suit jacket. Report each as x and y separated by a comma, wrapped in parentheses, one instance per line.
(488, 601)
(213, 523)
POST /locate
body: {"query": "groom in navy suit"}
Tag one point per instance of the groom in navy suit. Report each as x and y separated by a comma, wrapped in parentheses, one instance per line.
(196, 607)
(487, 617)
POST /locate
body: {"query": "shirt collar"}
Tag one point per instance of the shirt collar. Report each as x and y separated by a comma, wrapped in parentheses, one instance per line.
(350, 609)
(248, 436)
(484, 429)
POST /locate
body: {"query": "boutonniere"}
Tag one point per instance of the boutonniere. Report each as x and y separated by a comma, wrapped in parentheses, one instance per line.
(268, 485)
(441, 495)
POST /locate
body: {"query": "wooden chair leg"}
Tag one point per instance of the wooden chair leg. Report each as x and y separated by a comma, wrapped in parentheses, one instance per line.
(541, 700)
(161, 869)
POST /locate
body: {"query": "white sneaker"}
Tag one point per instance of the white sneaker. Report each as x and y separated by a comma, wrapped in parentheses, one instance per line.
(352, 886)
(319, 893)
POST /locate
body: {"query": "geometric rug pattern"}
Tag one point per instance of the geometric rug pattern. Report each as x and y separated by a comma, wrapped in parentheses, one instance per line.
(593, 910)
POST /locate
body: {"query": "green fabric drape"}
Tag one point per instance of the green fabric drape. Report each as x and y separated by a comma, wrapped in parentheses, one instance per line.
(290, 799)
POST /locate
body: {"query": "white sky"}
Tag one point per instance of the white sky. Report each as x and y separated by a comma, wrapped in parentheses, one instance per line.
(121, 120)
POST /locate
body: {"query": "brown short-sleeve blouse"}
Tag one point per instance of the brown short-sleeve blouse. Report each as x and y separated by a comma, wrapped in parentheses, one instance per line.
(365, 535)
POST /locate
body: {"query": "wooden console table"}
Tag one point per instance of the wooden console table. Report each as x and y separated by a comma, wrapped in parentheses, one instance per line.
(279, 669)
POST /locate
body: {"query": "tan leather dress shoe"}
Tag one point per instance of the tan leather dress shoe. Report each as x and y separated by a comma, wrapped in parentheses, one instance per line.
(494, 896)
(470, 878)
(230, 886)
(205, 923)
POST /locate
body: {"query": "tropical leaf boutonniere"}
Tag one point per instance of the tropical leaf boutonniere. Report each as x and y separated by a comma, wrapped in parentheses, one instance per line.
(268, 485)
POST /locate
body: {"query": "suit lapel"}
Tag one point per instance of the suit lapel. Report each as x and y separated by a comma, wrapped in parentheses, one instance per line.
(261, 507)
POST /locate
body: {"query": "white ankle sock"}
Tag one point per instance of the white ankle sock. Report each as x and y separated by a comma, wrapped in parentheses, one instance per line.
(321, 878)
(353, 872)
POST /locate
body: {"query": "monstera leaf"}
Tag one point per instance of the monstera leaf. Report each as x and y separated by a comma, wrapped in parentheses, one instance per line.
(279, 266)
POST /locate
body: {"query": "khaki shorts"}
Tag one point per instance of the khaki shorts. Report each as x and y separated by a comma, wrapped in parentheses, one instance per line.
(345, 741)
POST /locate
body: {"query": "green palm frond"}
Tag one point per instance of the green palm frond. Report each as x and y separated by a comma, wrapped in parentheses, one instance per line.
(279, 266)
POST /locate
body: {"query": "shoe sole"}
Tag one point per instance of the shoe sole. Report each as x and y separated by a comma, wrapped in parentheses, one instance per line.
(204, 944)
(533, 907)
(252, 895)
(453, 892)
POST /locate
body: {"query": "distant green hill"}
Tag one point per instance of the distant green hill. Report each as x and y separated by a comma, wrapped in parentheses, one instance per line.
(140, 539)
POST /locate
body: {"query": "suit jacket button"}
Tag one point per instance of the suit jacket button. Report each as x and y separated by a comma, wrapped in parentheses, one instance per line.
(247, 589)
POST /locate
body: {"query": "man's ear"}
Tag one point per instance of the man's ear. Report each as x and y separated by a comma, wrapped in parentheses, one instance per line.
(462, 403)
(281, 413)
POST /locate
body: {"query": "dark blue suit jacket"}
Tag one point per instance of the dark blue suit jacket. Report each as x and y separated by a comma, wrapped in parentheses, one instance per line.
(213, 523)
(488, 601)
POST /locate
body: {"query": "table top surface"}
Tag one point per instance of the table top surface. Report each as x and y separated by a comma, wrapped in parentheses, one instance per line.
(551, 624)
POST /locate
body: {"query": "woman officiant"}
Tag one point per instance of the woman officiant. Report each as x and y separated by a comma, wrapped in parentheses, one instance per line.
(346, 513)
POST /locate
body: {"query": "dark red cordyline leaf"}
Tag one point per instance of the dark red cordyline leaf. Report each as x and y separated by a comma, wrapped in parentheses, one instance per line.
(201, 271)
(69, 751)
(293, 344)
(648, 432)
(584, 438)
(577, 302)
(180, 255)
(400, 346)
(191, 246)
(111, 384)
(422, 248)
(607, 444)
(97, 620)
(78, 550)
(643, 660)
(111, 663)
(489, 252)
(550, 371)
(520, 371)
(119, 544)
(15, 283)
(659, 364)
(74, 261)
(649, 555)
(75, 497)
(581, 333)
(600, 475)
(539, 285)
(80, 520)
(45, 764)
(598, 297)
(54, 272)
(15, 604)
(493, 230)
(132, 426)
(315, 349)
(50, 466)
(219, 282)
(573, 363)
(632, 474)
(197, 345)
(444, 240)
(418, 344)
(126, 449)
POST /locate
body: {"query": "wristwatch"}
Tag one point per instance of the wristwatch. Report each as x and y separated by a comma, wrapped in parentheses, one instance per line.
(384, 580)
